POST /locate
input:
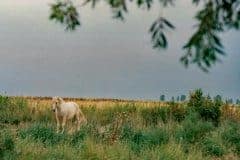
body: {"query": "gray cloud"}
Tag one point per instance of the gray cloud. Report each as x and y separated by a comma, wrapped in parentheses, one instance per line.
(104, 58)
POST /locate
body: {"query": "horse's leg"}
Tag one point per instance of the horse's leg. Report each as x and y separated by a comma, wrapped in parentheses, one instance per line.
(63, 123)
(58, 123)
(78, 121)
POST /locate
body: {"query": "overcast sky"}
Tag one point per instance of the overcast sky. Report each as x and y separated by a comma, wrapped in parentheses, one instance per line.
(105, 57)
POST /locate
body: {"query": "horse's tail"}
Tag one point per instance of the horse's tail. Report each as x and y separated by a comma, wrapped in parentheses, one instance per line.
(80, 115)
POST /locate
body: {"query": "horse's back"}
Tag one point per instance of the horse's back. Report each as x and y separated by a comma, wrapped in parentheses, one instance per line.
(71, 104)
(71, 108)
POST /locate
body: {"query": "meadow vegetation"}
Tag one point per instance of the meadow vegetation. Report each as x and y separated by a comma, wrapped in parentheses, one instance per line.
(200, 128)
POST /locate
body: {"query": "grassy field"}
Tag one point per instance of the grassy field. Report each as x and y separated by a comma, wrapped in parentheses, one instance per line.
(200, 128)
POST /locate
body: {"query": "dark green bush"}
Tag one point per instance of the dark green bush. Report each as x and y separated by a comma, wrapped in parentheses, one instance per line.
(139, 138)
(153, 115)
(218, 101)
(138, 141)
(164, 113)
(196, 100)
(7, 146)
(211, 147)
(208, 110)
(157, 136)
(14, 110)
(127, 132)
(150, 116)
(56, 156)
(193, 129)
(148, 139)
(42, 133)
(178, 112)
(4, 101)
(232, 136)
(78, 137)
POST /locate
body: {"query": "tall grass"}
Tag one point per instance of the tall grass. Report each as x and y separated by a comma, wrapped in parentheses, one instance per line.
(14, 110)
(7, 145)
(201, 128)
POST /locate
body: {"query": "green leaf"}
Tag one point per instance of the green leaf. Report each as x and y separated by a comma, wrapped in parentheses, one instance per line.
(168, 23)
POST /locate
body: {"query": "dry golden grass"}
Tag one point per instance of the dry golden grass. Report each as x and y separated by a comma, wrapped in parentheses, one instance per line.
(230, 112)
(116, 130)
(42, 102)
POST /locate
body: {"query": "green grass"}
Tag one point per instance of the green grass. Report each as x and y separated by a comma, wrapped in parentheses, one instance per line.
(122, 131)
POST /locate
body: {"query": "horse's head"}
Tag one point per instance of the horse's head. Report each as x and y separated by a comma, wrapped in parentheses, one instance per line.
(56, 101)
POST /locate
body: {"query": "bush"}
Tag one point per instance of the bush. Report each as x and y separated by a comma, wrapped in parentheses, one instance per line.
(4, 101)
(13, 110)
(178, 112)
(153, 115)
(196, 100)
(218, 101)
(7, 146)
(205, 107)
(138, 141)
(164, 114)
(148, 139)
(157, 136)
(232, 135)
(193, 129)
(78, 137)
(211, 147)
(127, 132)
(44, 134)
(210, 111)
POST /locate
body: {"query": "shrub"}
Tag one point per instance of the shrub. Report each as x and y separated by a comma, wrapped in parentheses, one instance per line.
(193, 129)
(232, 135)
(150, 116)
(196, 100)
(44, 134)
(138, 141)
(153, 115)
(78, 137)
(157, 136)
(218, 101)
(13, 110)
(7, 146)
(127, 132)
(164, 113)
(4, 101)
(139, 137)
(205, 107)
(210, 111)
(178, 112)
(148, 139)
(211, 147)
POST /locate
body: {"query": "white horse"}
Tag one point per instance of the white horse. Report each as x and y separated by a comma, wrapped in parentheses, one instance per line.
(66, 111)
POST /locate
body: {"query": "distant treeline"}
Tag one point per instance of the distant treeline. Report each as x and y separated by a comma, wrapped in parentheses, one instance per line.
(83, 99)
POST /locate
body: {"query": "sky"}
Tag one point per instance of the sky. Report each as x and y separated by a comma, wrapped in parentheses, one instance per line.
(105, 57)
